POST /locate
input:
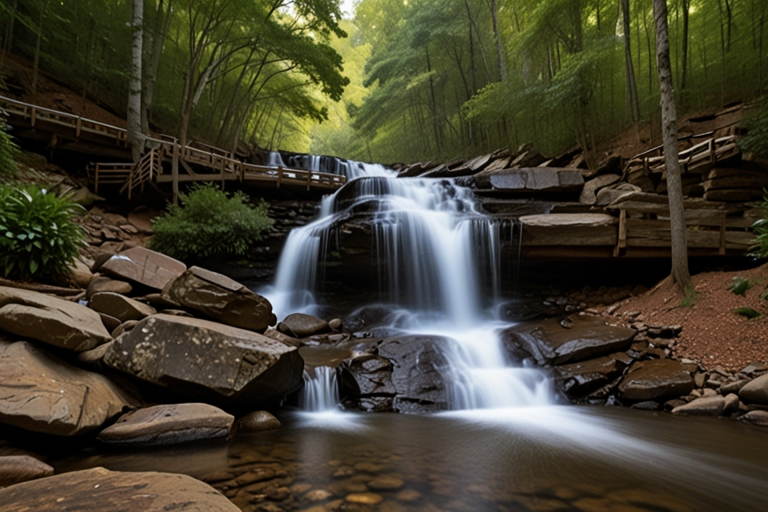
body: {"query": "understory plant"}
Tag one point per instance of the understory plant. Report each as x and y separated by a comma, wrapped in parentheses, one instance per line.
(209, 222)
(38, 235)
(759, 246)
(8, 150)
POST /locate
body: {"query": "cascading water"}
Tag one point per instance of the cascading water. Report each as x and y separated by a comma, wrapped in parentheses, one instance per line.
(321, 391)
(436, 255)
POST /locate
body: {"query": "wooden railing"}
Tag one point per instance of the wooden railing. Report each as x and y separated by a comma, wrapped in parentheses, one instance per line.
(697, 159)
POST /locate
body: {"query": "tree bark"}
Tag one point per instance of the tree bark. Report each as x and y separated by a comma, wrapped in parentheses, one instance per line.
(631, 82)
(686, 12)
(155, 41)
(135, 137)
(36, 63)
(502, 68)
(680, 273)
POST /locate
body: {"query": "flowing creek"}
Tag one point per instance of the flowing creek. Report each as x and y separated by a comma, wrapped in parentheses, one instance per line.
(507, 444)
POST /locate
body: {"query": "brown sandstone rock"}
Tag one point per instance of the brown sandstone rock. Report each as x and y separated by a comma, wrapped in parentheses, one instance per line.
(168, 424)
(55, 321)
(258, 421)
(100, 489)
(15, 469)
(145, 267)
(100, 284)
(755, 391)
(120, 307)
(220, 298)
(301, 325)
(203, 358)
(42, 393)
(656, 379)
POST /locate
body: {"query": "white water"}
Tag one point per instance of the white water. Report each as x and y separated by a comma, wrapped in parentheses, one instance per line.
(349, 168)
(436, 256)
(321, 390)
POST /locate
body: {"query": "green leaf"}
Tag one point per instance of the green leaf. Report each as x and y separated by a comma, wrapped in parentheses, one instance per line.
(33, 266)
(747, 312)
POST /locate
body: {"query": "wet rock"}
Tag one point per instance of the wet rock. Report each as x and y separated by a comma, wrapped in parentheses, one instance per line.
(367, 376)
(364, 498)
(318, 495)
(220, 298)
(386, 483)
(731, 403)
(658, 379)
(759, 418)
(418, 363)
(282, 338)
(100, 489)
(51, 320)
(144, 266)
(648, 405)
(408, 495)
(336, 324)
(548, 342)
(754, 392)
(168, 424)
(302, 326)
(120, 307)
(206, 359)
(101, 284)
(15, 469)
(42, 393)
(258, 421)
(710, 406)
(579, 379)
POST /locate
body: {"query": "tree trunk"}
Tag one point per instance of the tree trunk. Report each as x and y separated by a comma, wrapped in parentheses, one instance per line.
(36, 63)
(634, 103)
(159, 30)
(686, 12)
(135, 137)
(680, 273)
(501, 69)
(9, 31)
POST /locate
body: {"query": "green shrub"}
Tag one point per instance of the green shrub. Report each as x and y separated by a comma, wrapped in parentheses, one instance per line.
(760, 227)
(38, 237)
(7, 152)
(209, 223)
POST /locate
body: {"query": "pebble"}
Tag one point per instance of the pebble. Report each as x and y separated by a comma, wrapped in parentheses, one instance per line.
(386, 483)
(408, 495)
(318, 495)
(365, 498)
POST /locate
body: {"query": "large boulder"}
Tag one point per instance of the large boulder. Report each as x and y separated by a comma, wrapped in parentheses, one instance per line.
(578, 379)
(168, 424)
(42, 393)
(144, 266)
(120, 307)
(656, 379)
(15, 469)
(550, 342)
(367, 378)
(532, 180)
(51, 320)
(755, 391)
(201, 358)
(220, 298)
(101, 489)
(301, 325)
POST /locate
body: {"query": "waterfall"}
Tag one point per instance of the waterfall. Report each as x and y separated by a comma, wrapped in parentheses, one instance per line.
(328, 164)
(436, 255)
(321, 390)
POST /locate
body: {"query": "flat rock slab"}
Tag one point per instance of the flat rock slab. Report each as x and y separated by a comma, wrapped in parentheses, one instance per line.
(656, 379)
(709, 406)
(144, 266)
(578, 379)
(301, 325)
(220, 298)
(755, 391)
(201, 358)
(120, 307)
(101, 489)
(532, 180)
(548, 342)
(42, 393)
(15, 469)
(169, 424)
(55, 321)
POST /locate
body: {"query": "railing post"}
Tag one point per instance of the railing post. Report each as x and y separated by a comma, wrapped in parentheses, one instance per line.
(279, 176)
(309, 179)
(32, 113)
(96, 180)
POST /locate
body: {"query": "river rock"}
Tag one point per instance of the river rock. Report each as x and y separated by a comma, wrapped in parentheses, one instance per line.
(42, 393)
(581, 378)
(417, 373)
(207, 359)
(656, 379)
(15, 469)
(711, 406)
(220, 298)
(753, 392)
(301, 325)
(548, 342)
(588, 193)
(532, 180)
(101, 284)
(144, 266)
(101, 489)
(120, 307)
(110, 323)
(80, 274)
(51, 320)
(258, 421)
(168, 424)
(759, 418)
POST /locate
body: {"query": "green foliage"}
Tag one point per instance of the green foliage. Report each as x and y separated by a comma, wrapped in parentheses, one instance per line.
(760, 227)
(750, 313)
(756, 139)
(690, 299)
(209, 223)
(740, 285)
(38, 236)
(8, 150)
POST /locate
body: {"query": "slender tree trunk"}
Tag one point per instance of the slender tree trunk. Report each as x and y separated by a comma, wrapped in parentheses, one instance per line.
(680, 273)
(686, 13)
(162, 23)
(472, 69)
(36, 64)
(501, 66)
(8, 43)
(135, 137)
(634, 103)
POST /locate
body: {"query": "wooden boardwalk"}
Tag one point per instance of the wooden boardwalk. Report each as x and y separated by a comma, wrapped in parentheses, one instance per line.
(197, 162)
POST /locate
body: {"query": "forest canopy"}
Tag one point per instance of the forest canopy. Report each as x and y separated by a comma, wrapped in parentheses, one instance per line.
(403, 80)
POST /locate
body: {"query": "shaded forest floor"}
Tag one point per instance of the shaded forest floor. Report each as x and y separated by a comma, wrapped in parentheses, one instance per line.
(712, 333)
